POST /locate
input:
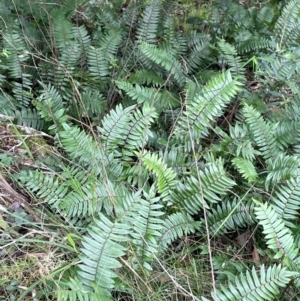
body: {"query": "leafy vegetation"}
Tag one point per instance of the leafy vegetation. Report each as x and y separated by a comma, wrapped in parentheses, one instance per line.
(157, 144)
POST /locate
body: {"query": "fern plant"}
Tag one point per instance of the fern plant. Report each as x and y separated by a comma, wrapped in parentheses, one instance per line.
(159, 136)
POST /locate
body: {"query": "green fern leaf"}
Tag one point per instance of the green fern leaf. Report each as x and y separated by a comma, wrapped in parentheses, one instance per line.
(164, 59)
(148, 26)
(102, 247)
(206, 106)
(245, 168)
(128, 128)
(278, 237)
(282, 168)
(139, 93)
(193, 195)
(262, 132)
(145, 217)
(99, 58)
(43, 186)
(254, 287)
(230, 215)
(229, 56)
(166, 177)
(80, 146)
(77, 291)
(287, 26)
(146, 77)
(176, 226)
(286, 200)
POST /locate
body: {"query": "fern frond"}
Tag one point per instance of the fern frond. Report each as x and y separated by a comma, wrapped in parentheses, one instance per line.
(282, 168)
(50, 92)
(128, 128)
(16, 48)
(63, 33)
(229, 56)
(286, 200)
(245, 168)
(77, 291)
(262, 132)
(176, 226)
(113, 126)
(198, 45)
(145, 217)
(102, 247)
(254, 43)
(137, 134)
(148, 25)
(30, 118)
(206, 106)
(278, 237)
(98, 64)
(240, 138)
(287, 26)
(230, 215)
(165, 60)
(192, 195)
(93, 103)
(265, 14)
(82, 36)
(252, 286)
(174, 40)
(146, 77)
(166, 177)
(8, 104)
(109, 43)
(43, 186)
(139, 93)
(80, 146)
